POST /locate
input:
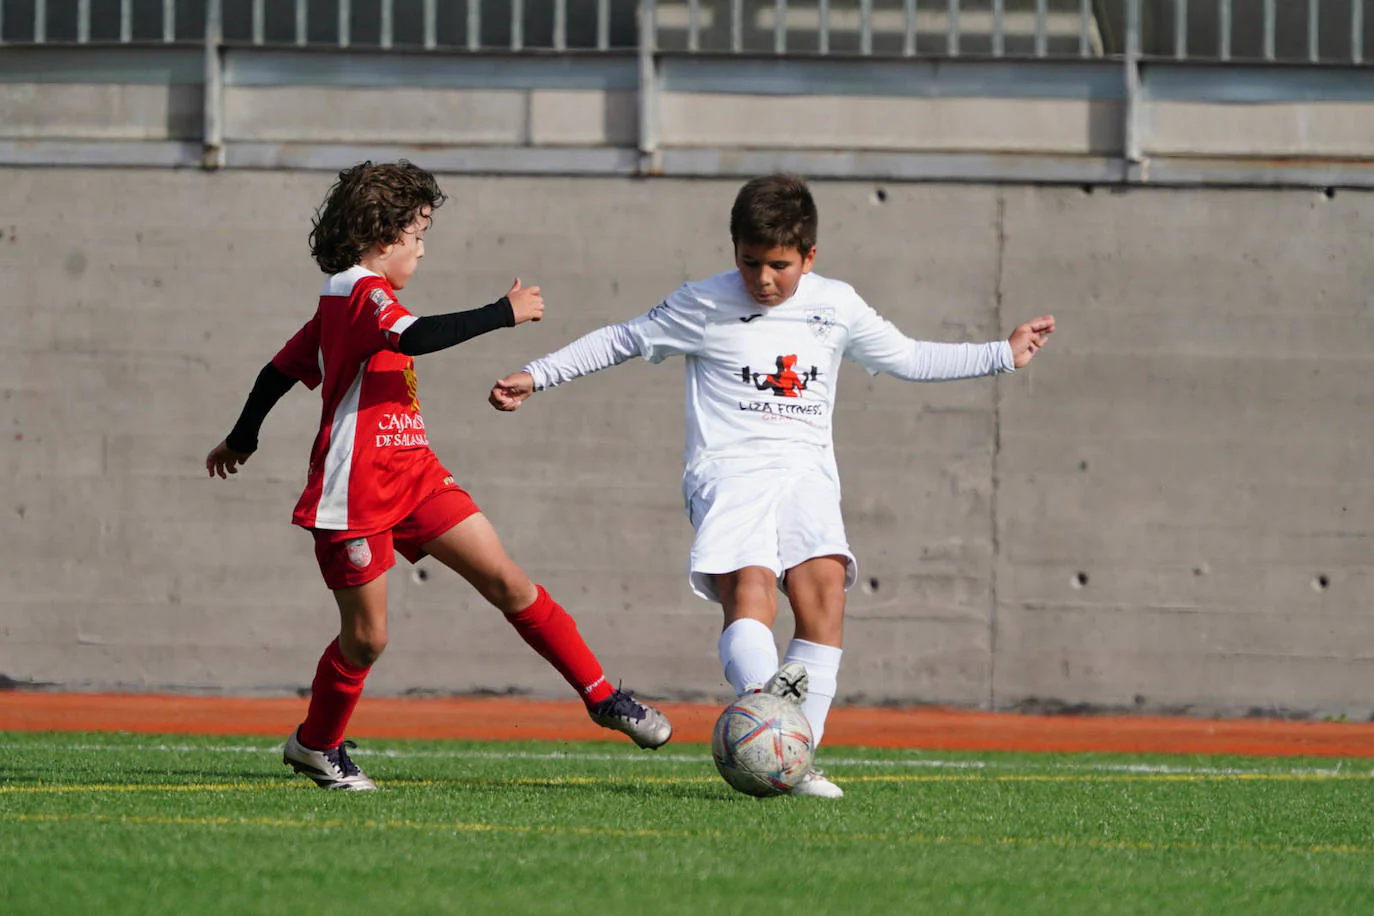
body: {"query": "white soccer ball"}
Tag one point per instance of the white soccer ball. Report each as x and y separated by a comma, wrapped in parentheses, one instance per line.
(762, 744)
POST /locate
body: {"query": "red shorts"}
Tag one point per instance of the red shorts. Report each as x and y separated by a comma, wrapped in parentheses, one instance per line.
(348, 558)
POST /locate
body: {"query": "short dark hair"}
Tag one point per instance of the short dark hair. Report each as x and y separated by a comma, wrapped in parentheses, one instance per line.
(369, 204)
(775, 210)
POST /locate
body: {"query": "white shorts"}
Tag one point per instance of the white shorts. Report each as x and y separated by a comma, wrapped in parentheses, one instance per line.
(775, 521)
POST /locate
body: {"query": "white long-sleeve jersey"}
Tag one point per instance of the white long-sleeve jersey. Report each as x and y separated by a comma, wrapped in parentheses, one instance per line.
(761, 380)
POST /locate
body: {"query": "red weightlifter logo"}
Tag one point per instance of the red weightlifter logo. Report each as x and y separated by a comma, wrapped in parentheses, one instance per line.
(786, 382)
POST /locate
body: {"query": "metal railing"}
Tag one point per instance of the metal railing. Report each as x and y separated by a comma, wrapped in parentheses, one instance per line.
(1271, 31)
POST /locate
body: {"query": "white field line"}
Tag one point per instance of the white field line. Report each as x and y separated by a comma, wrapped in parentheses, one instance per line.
(1338, 769)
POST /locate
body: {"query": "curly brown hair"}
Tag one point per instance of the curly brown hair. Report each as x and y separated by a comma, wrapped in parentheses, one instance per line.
(370, 204)
(775, 210)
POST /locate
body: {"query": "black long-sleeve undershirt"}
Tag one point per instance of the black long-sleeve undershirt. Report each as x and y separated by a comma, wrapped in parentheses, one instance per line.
(272, 383)
(438, 332)
(427, 334)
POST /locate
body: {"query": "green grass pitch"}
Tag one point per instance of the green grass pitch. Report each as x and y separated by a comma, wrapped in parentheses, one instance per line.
(147, 824)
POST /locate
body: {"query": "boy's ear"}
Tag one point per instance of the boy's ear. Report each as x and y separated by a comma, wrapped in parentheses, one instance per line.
(809, 260)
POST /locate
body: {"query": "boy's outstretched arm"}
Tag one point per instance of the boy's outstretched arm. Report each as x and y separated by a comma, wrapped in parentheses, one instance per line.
(1028, 338)
(224, 459)
(601, 349)
(673, 327)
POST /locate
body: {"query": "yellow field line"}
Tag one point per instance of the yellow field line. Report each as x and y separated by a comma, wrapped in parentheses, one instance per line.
(917, 839)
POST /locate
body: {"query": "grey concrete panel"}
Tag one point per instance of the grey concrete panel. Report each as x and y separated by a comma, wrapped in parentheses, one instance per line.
(1273, 130)
(1192, 442)
(694, 119)
(1187, 499)
(109, 111)
(399, 115)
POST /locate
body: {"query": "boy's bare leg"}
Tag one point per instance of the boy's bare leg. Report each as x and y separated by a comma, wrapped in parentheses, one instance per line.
(749, 597)
(815, 589)
(474, 551)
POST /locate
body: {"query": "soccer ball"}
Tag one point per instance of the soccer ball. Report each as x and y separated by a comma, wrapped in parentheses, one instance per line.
(762, 744)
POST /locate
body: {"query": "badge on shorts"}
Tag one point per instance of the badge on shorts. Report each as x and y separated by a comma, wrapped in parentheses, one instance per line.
(359, 554)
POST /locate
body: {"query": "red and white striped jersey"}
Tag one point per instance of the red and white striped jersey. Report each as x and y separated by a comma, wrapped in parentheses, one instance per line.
(371, 448)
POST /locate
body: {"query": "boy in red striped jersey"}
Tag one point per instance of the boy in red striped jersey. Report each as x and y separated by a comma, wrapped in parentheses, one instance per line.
(374, 486)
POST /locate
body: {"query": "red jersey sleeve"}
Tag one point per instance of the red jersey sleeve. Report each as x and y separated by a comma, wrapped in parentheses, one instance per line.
(300, 358)
(379, 319)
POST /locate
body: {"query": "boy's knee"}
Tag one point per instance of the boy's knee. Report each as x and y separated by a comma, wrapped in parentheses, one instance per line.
(362, 651)
(510, 591)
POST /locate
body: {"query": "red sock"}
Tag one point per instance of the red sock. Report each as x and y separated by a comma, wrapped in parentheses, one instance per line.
(552, 633)
(333, 695)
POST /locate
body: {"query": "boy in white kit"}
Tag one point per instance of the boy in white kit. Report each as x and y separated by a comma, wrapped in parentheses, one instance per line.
(763, 345)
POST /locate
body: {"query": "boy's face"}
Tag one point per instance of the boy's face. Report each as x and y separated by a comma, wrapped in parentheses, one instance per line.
(771, 274)
(398, 261)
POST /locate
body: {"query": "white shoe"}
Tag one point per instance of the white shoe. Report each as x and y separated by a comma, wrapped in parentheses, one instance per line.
(331, 769)
(788, 682)
(815, 785)
(648, 727)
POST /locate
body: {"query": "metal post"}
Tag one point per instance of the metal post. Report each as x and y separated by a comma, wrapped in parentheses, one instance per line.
(431, 26)
(388, 16)
(649, 161)
(40, 21)
(603, 24)
(1357, 31)
(126, 21)
(780, 26)
(1268, 29)
(1180, 29)
(345, 21)
(823, 39)
(213, 140)
(83, 21)
(1132, 137)
(259, 23)
(952, 32)
(300, 22)
(560, 25)
(1313, 29)
(474, 24)
(865, 26)
(1085, 21)
(1041, 27)
(736, 26)
(1225, 29)
(909, 33)
(169, 21)
(517, 24)
(693, 25)
(999, 29)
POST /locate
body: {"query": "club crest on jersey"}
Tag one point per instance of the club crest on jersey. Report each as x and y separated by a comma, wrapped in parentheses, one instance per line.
(821, 321)
(381, 300)
(359, 553)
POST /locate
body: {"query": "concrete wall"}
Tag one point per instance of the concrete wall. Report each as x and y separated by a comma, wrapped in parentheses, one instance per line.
(1171, 510)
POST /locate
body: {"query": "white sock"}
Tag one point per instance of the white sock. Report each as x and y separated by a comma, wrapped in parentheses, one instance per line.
(823, 674)
(748, 654)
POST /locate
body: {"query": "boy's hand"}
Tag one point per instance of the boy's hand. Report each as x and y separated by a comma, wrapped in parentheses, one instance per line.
(224, 461)
(510, 392)
(1028, 338)
(526, 302)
